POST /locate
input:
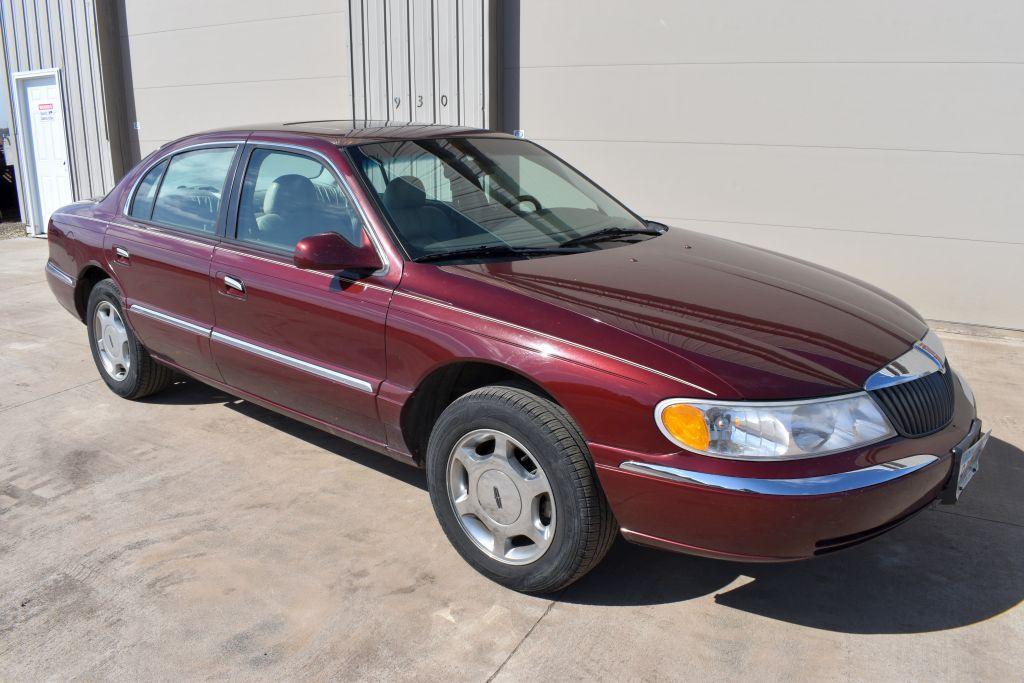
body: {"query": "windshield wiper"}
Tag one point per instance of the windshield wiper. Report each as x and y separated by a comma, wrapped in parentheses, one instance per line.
(487, 250)
(608, 234)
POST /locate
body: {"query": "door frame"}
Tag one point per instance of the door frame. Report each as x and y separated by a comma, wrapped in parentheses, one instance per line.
(26, 163)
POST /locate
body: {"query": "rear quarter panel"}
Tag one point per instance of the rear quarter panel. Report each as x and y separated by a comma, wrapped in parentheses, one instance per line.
(75, 237)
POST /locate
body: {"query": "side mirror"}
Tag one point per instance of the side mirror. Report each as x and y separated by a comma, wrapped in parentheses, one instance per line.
(331, 251)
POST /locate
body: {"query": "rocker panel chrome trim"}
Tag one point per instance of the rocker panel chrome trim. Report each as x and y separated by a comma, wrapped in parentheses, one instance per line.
(60, 274)
(170, 320)
(298, 364)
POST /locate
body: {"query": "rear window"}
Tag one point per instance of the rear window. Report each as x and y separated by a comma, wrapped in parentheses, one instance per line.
(142, 205)
(189, 195)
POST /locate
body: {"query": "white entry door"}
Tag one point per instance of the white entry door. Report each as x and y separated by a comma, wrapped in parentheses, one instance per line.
(44, 145)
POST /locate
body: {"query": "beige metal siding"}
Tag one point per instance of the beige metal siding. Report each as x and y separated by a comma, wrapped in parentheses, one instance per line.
(62, 34)
(200, 64)
(427, 62)
(881, 139)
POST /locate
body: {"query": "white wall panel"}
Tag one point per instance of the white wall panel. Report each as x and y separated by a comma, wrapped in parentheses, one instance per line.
(279, 49)
(575, 32)
(833, 131)
(295, 100)
(159, 16)
(935, 107)
(195, 65)
(960, 196)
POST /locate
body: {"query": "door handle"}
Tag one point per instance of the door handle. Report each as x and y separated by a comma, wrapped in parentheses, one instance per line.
(121, 255)
(234, 283)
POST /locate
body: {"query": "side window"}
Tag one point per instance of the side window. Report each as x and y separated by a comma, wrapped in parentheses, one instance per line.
(190, 193)
(287, 196)
(145, 193)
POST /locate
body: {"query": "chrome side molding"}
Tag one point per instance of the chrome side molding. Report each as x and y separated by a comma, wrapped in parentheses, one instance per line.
(924, 357)
(263, 352)
(298, 364)
(60, 274)
(807, 486)
(170, 320)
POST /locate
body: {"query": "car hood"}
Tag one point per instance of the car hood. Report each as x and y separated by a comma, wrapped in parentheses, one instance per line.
(767, 325)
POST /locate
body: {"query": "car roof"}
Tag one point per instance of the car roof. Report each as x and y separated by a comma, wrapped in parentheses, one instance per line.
(345, 132)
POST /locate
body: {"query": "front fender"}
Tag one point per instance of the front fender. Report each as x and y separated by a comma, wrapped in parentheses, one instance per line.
(611, 401)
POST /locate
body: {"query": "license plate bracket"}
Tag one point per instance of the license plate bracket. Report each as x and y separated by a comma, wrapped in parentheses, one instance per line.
(966, 461)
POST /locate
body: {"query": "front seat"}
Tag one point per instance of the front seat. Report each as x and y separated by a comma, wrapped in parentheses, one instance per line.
(291, 211)
(405, 199)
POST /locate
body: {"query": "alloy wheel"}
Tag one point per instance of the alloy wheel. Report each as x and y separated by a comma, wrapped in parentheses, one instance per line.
(112, 341)
(501, 496)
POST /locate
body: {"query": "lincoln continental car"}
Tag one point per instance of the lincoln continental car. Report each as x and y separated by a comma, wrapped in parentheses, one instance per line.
(563, 369)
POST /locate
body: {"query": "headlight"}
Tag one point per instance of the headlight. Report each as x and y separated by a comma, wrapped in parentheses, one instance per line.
(773, 430)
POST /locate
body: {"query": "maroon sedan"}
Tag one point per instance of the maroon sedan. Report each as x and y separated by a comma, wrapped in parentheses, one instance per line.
(563, 369)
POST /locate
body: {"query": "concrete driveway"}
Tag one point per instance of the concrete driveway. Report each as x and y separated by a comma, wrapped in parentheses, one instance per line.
(196, 535)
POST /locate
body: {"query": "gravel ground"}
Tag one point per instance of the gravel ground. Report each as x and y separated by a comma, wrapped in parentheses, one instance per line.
(12, 229)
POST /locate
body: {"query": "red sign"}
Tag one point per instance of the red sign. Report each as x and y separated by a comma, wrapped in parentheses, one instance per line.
(45, 107)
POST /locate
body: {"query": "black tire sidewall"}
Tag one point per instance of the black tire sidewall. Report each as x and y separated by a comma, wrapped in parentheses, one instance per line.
(471, 413)
(107, 290)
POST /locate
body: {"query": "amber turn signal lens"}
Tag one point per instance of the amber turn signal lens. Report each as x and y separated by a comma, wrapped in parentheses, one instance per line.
(687, 425)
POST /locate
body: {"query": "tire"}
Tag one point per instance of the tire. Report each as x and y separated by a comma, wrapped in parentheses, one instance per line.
(123, 363)
(569, 529)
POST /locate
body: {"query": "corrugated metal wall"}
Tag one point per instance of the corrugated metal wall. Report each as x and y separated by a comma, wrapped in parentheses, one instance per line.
(427, 62)
(61, 34)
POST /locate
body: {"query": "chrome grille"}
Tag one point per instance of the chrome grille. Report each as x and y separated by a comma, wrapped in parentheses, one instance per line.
(919, 407)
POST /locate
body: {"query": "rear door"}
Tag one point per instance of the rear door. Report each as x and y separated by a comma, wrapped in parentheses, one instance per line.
(161, 247)
(312, 342)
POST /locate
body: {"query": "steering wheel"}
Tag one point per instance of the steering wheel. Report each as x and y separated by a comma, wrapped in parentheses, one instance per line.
(525, 198)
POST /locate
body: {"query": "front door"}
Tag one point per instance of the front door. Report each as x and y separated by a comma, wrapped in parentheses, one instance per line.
(308, 341)
(45, 147)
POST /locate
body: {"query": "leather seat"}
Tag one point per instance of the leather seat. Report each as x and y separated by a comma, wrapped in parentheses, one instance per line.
(291, 211)
(405, 199)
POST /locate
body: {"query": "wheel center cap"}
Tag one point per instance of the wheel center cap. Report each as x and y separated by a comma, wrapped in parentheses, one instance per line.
(499, 497)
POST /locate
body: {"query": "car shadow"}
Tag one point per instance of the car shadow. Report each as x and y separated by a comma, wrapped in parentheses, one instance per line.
(192, 392)
(948, 567)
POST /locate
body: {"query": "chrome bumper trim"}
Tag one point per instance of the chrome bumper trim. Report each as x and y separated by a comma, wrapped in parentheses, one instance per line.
(808, 486)
(59, 274)
(296, 363)
(170, 320)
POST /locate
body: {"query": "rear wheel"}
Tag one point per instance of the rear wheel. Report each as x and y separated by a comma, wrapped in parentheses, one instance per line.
(514, 489)
(124, 364)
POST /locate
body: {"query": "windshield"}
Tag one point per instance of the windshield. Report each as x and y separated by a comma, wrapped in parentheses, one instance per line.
(490, 195)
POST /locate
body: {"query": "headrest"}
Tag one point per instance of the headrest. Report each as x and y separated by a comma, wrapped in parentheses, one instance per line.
(289, 193)
(405, 192)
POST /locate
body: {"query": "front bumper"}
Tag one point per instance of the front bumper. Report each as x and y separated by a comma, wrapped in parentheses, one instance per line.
(660, 501)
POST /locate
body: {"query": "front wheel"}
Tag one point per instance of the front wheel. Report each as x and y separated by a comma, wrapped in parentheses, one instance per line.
(513, 487)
